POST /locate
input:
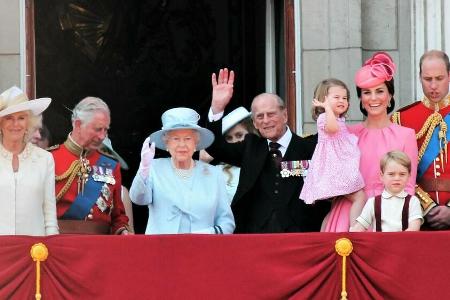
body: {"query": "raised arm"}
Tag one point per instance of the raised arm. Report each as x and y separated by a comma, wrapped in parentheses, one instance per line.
(331, 124)
(222, 90)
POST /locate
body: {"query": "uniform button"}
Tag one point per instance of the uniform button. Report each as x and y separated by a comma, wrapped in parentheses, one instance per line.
(438, 166)
(277, 175)
(91, 211)
(437, 159)
(277, 183)
(438, 174)
(276, 192)
(90, 216)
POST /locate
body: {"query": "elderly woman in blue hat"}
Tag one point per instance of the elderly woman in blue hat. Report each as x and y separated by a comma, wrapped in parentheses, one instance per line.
(183, 195)
(27, 172)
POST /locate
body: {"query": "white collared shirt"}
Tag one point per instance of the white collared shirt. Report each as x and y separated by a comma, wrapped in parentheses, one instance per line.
(283, 141)
(391, 211)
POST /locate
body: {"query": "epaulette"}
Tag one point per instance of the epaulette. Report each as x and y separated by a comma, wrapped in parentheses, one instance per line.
(54, 147)
(409, 106)
(107, 153)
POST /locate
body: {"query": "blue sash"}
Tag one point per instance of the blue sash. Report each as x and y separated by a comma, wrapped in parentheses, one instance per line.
(432, 150)
(83, 202)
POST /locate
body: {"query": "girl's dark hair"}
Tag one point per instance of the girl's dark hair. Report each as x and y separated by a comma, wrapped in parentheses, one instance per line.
(390, 108)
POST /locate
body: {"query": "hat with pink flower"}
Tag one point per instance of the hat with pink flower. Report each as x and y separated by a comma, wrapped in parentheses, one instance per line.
(376, 70)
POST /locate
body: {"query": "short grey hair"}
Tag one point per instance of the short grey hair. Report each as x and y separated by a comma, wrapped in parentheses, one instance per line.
(86, 108)
(281, 103)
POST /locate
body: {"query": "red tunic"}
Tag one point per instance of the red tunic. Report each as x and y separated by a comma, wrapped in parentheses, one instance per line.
(414, 116)
(115, 217)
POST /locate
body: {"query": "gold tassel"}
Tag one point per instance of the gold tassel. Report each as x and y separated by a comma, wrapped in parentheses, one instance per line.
(38, 252)
(344, 247)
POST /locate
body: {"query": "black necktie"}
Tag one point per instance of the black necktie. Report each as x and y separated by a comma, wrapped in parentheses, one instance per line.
(275, 153)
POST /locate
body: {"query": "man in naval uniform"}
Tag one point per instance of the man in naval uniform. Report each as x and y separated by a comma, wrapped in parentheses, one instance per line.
(430, 118)
(272, 166)
(88, 181)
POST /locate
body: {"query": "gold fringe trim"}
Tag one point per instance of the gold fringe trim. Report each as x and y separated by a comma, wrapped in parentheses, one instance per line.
(344, 247)
(38, 252)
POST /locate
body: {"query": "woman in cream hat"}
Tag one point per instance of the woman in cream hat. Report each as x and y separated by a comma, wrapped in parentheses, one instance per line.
(235, 126)
(183, 195)
(28, 175)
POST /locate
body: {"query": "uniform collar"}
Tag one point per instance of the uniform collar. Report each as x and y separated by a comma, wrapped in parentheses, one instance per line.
(387, 195)
(441, 104)
(74, 147)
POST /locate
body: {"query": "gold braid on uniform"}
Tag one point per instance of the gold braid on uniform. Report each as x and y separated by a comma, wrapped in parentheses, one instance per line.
(71, 173)
(427, 129)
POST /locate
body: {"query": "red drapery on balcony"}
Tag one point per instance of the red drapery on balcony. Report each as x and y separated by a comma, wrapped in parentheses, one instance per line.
(408, 265)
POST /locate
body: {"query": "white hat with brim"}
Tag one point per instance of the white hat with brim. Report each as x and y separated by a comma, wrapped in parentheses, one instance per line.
(14, 100)
(181, 118)
(233, 118)
(107, 143)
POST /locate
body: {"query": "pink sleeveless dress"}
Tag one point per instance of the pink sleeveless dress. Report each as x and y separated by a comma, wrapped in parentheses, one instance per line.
(334, 167)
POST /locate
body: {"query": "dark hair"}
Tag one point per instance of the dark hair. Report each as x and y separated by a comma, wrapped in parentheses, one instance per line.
(390, 87)
(435, 54)
(321, 91)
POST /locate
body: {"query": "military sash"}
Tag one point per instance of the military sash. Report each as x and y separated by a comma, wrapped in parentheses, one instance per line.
(432, 150)
(84, 201)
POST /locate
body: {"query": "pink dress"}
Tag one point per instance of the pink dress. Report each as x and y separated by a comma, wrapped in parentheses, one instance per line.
(373, 144)
(333, 170)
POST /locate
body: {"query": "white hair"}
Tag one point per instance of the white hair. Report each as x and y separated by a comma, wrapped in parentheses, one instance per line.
(86, 108)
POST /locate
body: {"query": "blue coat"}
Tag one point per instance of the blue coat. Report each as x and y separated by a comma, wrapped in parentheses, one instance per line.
(177, 205)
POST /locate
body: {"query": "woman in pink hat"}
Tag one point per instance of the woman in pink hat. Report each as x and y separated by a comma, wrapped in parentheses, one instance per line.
(27, 187)
(376, 134)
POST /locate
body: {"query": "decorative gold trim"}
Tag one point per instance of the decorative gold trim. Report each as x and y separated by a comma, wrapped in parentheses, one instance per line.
(38, 252)
(425, 200)
(440, 105)
(344, 247)
(396, 118)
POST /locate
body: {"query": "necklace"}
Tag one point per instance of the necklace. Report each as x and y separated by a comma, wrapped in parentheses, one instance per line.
(184, 173)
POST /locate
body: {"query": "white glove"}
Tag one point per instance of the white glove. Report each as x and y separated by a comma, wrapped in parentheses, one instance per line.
(147, 155)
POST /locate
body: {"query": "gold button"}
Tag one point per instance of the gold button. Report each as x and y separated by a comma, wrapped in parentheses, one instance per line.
(91, 211)
(90, 217)
(438, 174)
(437, 159)
(438, 166)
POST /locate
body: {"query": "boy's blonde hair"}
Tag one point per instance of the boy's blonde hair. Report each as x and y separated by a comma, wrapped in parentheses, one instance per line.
(321, 91)
(399, 157)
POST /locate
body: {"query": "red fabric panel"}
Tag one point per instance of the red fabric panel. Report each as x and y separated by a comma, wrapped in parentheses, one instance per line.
(406, 265)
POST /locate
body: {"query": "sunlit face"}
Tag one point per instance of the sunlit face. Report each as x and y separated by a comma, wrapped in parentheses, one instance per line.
(435, 79)
(268, 118)
(394, 177)
(376, 99)
(181, 144)
(91, 134)
(236, 134)
(14, 126)
(338, 99)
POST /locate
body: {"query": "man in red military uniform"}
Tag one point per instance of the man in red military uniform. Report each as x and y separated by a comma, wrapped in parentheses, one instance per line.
(88, 181)
(430, 118)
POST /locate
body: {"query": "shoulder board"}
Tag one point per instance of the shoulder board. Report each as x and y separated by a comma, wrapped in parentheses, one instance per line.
(409, 106)
(54, 147)
(106, 153)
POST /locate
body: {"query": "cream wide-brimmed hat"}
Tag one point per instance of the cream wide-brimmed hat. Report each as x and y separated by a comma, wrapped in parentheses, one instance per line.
(181, 118)
(14, 100)
(234, 117)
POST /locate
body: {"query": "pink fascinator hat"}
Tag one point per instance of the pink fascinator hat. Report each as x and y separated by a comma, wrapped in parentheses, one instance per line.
(376, 70)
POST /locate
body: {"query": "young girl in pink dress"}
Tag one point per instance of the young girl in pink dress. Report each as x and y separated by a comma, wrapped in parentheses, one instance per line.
(334, 167)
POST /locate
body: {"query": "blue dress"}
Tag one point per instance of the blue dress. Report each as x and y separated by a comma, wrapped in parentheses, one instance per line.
(178, 205)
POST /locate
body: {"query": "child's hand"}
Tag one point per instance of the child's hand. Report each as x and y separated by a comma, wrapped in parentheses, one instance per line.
(325, 104)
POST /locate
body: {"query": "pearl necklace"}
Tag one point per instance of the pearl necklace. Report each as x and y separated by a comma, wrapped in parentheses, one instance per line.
(184, 173)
